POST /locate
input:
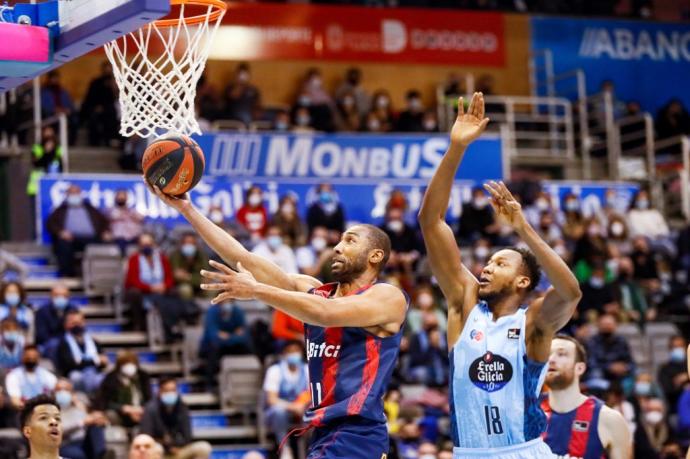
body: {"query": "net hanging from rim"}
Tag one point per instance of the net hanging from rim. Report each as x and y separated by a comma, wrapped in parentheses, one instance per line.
(157, 91)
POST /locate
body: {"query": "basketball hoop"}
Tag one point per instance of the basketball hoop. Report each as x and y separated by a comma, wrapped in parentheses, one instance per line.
(157, 69)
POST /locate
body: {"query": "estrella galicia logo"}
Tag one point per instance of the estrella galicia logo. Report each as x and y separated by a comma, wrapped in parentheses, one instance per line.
(513, 333)
(491, 372)
(476, 335)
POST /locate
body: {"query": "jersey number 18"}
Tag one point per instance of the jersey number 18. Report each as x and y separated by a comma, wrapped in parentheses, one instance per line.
(493, 420)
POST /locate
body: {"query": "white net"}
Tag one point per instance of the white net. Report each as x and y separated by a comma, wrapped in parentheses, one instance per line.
(157, 69)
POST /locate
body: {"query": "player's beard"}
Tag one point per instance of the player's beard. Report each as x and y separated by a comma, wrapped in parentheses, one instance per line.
(351, 269)
(561, 380)
(495, 296)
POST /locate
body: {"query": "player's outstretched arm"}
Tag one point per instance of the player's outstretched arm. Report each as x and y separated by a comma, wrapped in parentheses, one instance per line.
(230, 248)
(614, 434)
(443, 253)
(558, 306)
(381, 305)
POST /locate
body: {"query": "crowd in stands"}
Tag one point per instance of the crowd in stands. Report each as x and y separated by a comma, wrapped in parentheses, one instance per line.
(631, 266)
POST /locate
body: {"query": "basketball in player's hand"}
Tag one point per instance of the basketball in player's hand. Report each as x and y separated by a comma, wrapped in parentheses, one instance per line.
(173, 164)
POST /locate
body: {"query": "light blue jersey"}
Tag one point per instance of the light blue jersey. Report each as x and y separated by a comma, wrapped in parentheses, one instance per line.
(494, 390)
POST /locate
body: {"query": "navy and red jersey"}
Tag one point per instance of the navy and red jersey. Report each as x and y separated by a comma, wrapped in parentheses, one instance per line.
(349, 369)
(575, 433)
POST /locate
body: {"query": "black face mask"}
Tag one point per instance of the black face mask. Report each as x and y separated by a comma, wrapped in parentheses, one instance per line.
(30, 365)
(147, 251)
(121, 202)
(77, 330)
(606, 335)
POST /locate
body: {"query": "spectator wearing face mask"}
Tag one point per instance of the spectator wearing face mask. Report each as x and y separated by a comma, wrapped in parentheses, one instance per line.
(78, 356)
(286, 392)
(646, 271)
(126, 223)
(427, 450)
(124, 391)
(632, 296)
(313, 259)
(29, 380)
(46, 157)
(425, 303)
(326, 211)
(645, 221)
(598, 294)
(408, 440)
(653, 421)
(673, 374)
(275, 249)
(13, 306)
(609, 356)
(372, 123)
(281, 121)
(50, 319)
(149, 279)
(302, 121)
(233, 227)
(186, 262)
(428, 356)
(645, 388)
(411, 119)
(617, 234)
(83, 432)
(352, 84)
(430, 122)
(225, 333)
(166, 419)
(287, 219)
(348, 118)
(547, 228)
(242, 99)
(541, 203)
(382, 109)
(12, 343)
(405, 246)
(72, 226)
(315, 97)
(574, 224)
(477, 219)
(252, 215)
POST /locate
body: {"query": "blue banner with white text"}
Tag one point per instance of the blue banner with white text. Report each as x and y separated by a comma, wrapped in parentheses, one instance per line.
(363, 169)
(648, 62)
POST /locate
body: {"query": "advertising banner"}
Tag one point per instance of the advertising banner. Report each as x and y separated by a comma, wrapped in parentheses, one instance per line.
(648, 62)
(346, 33)
(363, 169)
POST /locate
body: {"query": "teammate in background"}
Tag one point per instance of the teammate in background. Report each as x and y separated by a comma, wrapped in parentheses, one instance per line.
(42, 427)
(352, 328)
(499, 343)
(579, 426)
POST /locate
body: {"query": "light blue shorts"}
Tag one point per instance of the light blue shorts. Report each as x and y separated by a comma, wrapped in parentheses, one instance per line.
(533, 449)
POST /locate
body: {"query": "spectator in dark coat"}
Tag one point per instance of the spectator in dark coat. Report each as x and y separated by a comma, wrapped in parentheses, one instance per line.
(429, 354)
(673, 120)
(49, 320)
(405, 246)
(673, 375)
(124, 391)
(326, 211)
(609, 357)
(477, 219)
(225, 333)
(412, 118)
(242, 99)
(167, 420)
(72, 226)
(98, 109)
(78, 356)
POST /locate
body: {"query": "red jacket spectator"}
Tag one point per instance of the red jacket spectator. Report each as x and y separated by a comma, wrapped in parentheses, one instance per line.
(286, 327)
(134, 279)
(252, 215)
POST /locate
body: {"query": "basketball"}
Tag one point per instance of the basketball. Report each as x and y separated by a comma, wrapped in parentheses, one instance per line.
(173, 164)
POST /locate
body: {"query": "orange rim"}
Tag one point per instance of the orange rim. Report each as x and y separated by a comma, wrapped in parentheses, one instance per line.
(219, 6)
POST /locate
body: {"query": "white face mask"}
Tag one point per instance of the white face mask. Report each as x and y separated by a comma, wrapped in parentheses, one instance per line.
(254, 200)
(216, 217)
(396, 226)
(129, 369)
(424, 300)
(318, 243)
(617, 229)
(542, 204)
(481, 252)
(74, 200)
(653, 417)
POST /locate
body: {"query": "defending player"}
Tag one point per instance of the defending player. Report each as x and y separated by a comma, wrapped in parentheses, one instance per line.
(352, 328)
(579, 426)
(498, 343)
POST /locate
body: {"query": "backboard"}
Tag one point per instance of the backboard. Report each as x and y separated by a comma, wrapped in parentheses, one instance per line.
(84, 25)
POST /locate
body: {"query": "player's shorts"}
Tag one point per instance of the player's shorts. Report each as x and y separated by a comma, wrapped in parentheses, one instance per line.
(351, 438)
(531, 450)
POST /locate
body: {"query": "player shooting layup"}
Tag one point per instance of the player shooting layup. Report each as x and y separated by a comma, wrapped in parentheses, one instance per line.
(498, 344)
(352, 329)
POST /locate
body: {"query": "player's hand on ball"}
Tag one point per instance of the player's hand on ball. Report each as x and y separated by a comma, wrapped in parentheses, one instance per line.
(507, 209)
(468, 126)
(234, 285)
(179, 203)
